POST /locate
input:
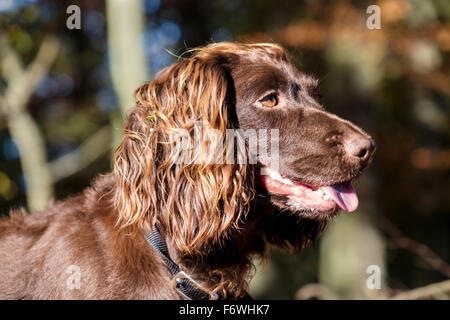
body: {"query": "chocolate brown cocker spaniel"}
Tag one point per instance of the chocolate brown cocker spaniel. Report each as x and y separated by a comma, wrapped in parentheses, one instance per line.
(226, 152)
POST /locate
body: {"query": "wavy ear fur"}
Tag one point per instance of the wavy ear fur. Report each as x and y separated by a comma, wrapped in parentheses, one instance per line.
(195, 202)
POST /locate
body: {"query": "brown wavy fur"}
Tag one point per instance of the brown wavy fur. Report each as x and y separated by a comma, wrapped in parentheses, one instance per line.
(197, 205)
(210, 214)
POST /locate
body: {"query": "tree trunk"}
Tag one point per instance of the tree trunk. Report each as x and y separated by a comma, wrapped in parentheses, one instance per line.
(125, 24)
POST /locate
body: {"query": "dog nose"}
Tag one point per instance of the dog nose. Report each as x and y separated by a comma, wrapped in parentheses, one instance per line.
(361, 148)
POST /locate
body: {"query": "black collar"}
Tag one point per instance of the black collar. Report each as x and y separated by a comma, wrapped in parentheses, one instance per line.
(185, 284)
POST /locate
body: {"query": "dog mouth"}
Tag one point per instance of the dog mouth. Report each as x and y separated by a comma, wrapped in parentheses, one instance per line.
(302, 197)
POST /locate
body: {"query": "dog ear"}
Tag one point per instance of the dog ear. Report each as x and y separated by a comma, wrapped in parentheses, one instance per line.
(134, 179)
(196, 199)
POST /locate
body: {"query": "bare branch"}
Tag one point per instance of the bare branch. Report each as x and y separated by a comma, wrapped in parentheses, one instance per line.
(314, 290)
(424, 252)
(10, 63)
(440, 290)
(86, 153)
(31, 145)
(22, 127)
(45, 57)
(22, 84)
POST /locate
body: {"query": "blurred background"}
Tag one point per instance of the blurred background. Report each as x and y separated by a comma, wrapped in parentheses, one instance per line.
(64, 89)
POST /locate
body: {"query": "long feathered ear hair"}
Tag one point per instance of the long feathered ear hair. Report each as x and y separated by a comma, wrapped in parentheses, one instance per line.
(198, 201)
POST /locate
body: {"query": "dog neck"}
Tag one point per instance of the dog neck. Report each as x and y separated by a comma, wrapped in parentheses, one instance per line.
(226, 266)
(223, 268)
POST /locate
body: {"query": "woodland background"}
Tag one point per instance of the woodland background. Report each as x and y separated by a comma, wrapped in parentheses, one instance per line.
(63, 94)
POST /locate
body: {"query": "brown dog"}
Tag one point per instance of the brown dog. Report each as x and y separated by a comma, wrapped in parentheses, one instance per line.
(214, 216)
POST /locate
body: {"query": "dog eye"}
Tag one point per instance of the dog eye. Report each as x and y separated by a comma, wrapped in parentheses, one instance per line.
(269, 101)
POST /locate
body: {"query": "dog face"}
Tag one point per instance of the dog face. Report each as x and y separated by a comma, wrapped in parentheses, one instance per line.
(319, 153)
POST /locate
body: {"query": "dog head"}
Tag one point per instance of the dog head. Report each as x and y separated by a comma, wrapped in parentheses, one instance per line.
(319, 154)
(173, 166)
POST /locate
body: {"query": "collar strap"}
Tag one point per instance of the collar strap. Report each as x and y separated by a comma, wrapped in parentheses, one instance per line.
(183, 283)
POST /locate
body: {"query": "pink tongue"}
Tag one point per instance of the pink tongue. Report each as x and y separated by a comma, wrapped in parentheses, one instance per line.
(344, 195)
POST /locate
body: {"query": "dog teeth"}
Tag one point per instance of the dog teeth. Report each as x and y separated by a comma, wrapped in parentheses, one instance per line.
(320, 193)
(323, 195)
(287, 181)
(276, 176)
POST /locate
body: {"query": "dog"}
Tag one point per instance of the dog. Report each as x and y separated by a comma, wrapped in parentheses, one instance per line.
(159, 228)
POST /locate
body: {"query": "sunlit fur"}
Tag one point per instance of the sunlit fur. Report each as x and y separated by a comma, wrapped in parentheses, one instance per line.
(198, 205)
(215, 217)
